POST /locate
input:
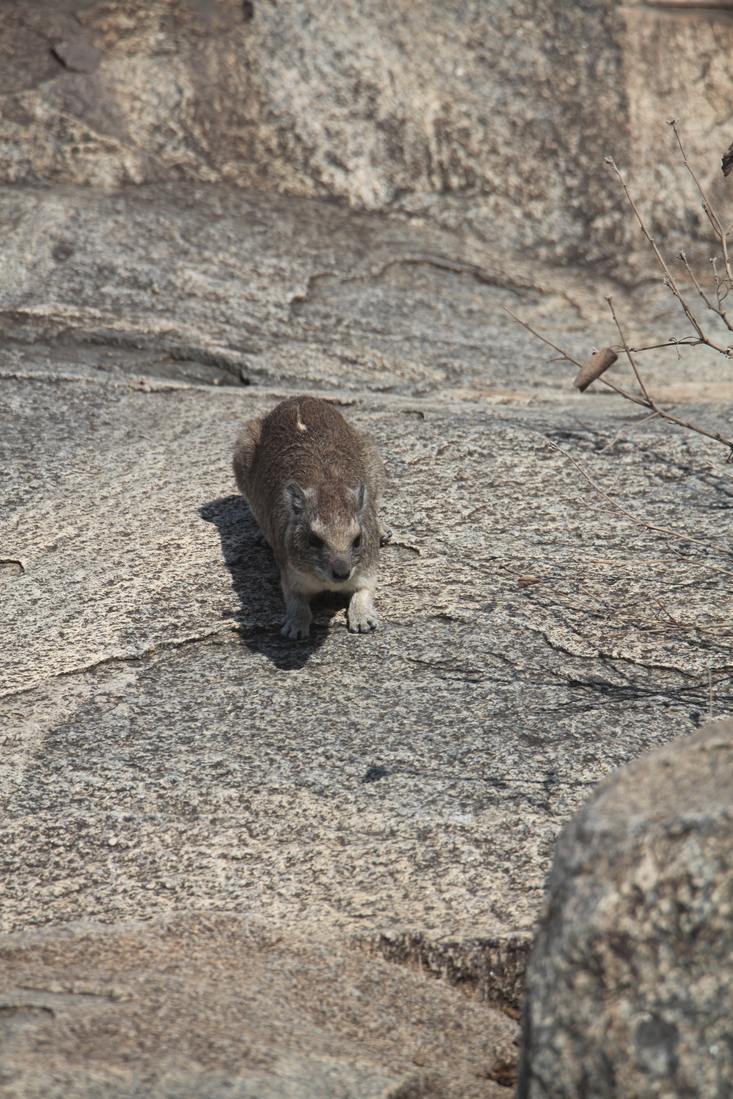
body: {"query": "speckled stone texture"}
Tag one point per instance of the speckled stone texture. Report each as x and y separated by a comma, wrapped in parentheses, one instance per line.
(629, 989)
(148, 694)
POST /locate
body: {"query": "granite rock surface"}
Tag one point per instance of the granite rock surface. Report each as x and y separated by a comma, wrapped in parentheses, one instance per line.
(395, 796)
(629, 990)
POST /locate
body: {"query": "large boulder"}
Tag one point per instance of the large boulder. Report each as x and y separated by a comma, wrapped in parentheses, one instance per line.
(629, 990)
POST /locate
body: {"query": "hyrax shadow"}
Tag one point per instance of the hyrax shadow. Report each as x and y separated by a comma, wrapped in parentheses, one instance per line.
(256, 584)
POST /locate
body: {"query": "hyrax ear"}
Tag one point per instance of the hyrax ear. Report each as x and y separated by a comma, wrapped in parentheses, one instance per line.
(295, 498)
(362, 496)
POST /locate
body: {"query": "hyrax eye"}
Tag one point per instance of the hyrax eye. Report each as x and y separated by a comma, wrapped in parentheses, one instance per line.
(357, 541)
(315, 541)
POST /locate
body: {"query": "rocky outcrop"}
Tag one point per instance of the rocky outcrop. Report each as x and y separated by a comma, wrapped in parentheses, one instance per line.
(213, 1006)
(165, 750)
(491, 117)
(128, 560)
(629, 991)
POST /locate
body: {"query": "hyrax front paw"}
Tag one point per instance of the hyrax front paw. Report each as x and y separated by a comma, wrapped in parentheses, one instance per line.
(295, 628)
(298, 617)
(363, 623)
(361, 615)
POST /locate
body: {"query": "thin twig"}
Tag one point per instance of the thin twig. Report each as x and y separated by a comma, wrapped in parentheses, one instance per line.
(629, 356)
(660, 604)
(720, 232)
(629, 427)
(703, 565)
(628, 514)
(651, 404)
(688, 626)
(590, 595)
(565, 355)
(668, 276)
(717, 228)
(713, 308)
(720, 282)
(684, 341)
(645, 402)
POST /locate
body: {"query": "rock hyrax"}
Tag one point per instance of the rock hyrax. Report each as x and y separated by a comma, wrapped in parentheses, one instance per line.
(313, 484)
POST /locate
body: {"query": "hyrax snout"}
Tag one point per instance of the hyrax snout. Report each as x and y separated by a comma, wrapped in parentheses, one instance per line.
(313, 484)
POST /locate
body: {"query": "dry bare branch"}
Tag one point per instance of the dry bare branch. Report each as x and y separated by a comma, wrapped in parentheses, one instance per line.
(600, 361)
(720, 230)
(645, 402)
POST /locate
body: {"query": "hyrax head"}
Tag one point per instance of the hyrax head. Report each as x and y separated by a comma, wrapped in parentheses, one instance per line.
(325, 535)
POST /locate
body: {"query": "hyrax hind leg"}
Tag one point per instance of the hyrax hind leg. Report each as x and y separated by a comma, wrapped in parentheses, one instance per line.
(244, 452)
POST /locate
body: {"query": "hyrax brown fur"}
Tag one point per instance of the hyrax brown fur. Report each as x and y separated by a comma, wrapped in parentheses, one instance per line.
(313, 484)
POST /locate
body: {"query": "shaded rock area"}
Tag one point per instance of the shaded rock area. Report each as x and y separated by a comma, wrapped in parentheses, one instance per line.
(389, 798)
(220, 1006)
(629, 990)
(493, 118)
